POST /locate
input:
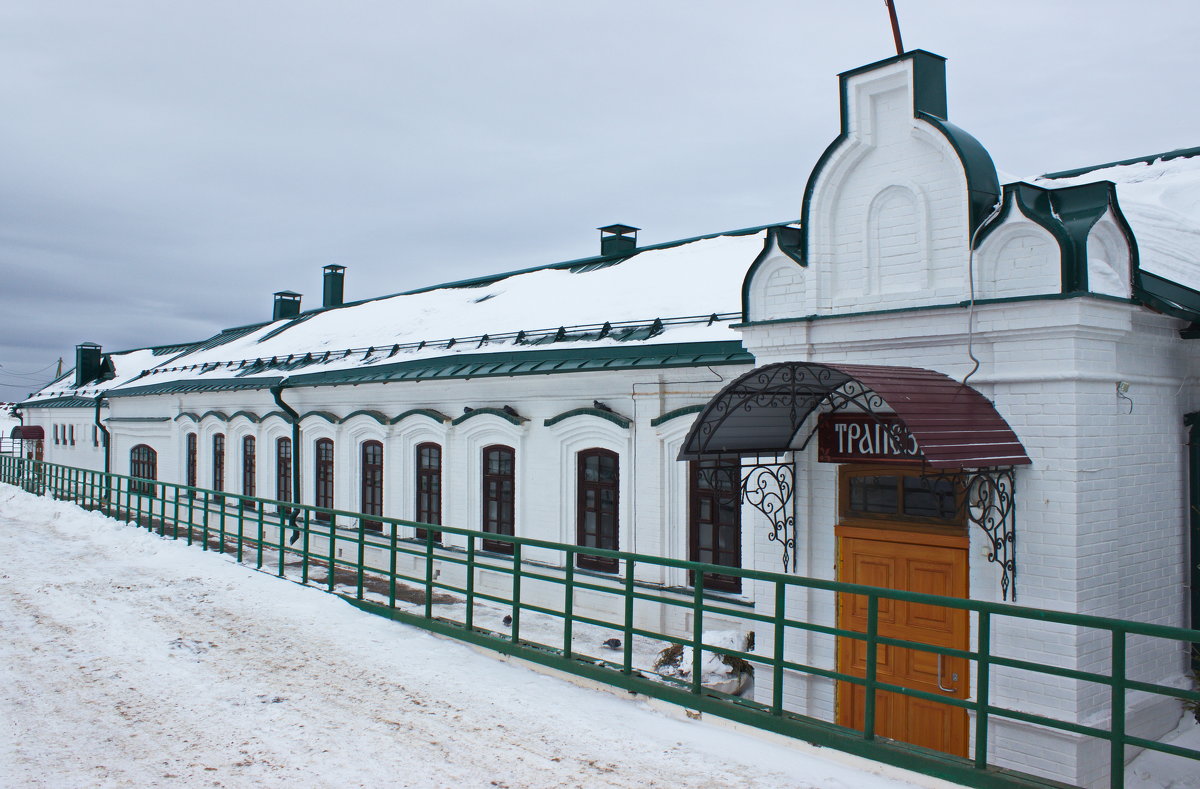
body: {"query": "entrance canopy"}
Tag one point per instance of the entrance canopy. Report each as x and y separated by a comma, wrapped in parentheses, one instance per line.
(951, 426)
(29, 432)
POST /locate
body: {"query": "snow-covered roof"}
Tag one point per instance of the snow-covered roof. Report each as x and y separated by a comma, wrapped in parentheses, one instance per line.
(659, 299)
(1160, 199)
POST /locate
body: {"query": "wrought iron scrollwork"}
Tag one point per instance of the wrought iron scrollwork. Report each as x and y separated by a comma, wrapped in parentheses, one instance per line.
(769, 488)
(987, 498)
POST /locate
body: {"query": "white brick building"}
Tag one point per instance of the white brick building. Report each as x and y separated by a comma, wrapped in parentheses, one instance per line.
(1065, 301)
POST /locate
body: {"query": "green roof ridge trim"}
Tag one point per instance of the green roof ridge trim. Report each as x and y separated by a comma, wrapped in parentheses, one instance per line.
(669, 415)
(218, 414)
(616, 419)
(436, 416)
(188, 415)
(500, 412)
(377, 416)
(1166, 156)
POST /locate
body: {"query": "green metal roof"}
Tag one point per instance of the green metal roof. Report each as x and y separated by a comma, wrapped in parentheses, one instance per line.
(480, 365)
(62, 402)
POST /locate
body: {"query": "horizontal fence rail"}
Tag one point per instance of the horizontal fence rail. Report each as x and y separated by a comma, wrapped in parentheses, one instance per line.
(532, 599)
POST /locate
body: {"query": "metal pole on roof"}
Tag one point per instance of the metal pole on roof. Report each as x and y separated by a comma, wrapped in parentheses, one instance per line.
(891, 7)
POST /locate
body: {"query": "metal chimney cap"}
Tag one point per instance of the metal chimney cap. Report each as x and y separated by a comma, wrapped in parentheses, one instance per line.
(619, 230)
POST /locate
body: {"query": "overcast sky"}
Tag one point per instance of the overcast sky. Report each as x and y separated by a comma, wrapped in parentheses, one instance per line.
(166, 166)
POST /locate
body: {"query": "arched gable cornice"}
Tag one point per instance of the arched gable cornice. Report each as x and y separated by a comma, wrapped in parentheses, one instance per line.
(328, 417)
(678, 412)
(515, 420)
(378, 417)
(248, 414)
(277, 414)
(188, 415)
(436, 416)
(616, 419)
(215, 414)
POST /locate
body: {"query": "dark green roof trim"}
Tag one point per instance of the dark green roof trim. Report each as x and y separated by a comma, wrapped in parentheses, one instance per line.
(1178, 153)
(378, 417)
(62, 402)
(248, 414)
(184, 387)
(188, 415)
(616, 419)
(788, 240)
(138, 419)
(436, 416)
(328, 417)
(953, 305)
(278, 414)
(218, 414)
(1166, 296)
(669, 415)
(929, 105)
(500, 412)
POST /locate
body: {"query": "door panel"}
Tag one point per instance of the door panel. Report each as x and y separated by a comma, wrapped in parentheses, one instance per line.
(940, 569)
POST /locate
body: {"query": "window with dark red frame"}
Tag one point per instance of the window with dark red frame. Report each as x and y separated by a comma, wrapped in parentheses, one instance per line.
(715, 519)
(429, 488)
(499, 495)
(143, 465)
(596, 520)
(324, 478)
(283, 472)
(192, 449)
(218, 475)
(372, 483)
(248, 470)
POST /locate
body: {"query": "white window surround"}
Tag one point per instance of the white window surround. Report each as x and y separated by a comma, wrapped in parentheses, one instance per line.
(465, 488)
(589, 432)
(403, 476)
(357, 432)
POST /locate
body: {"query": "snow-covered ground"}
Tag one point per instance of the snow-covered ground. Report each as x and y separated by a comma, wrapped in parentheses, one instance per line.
(129, 660)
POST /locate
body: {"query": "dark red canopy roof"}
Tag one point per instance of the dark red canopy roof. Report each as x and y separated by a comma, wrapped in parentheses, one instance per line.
(764, 412)
(30, 432)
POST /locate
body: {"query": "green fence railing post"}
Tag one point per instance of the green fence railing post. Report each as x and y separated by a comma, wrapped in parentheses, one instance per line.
(697, 628)
(1116, 757)
(260, 535)
(392, 567)
(429, 573)
(777, 663)
(361, 560)
(569, 604)
(332, 555)
(983, 689)
(516, 593)
(627, 640)
(470, 623)
(872, 666)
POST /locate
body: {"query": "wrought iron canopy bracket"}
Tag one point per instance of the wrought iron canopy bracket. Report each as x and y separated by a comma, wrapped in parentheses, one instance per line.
(769, 486)
(988, 496)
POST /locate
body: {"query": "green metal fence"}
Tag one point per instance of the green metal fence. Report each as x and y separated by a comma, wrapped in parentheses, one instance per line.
(557, 613)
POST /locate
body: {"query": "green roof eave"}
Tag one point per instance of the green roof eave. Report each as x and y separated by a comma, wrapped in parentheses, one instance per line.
(192, 385)
(1166, 296)
(61, 402)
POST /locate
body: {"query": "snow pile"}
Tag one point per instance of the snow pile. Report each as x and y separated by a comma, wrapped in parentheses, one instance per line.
(1161, 202)
(719, 671)
(130, 660)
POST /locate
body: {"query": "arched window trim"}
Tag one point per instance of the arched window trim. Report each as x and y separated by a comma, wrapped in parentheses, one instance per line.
(143, 465)
(592, 513)
(323, 479)
(249, 469)
(218, 466)
(427, 507)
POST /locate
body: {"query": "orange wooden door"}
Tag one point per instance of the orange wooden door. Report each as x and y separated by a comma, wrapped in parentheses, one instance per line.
(916, 562)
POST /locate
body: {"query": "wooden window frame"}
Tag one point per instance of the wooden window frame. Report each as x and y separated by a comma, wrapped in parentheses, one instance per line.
(249, 469)
(191, 465)
(696, 494)
(604, 564)
(323, 479)
(956, 526)
(428, 505)
(283, 471)
(218, 466)
(371, 484)
(493, 491)
(143, 465)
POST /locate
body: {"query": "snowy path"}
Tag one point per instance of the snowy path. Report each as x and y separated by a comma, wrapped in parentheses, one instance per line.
(127, 660)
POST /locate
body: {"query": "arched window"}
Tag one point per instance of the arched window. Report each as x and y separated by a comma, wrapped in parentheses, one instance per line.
(596, 520)
(283, 471)
(218, 468)
(143, 464)
(499, 495)
(248, 471)
(715, 519)
(190, 463)
(429, 488)
(372, 483)
(324, 478)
